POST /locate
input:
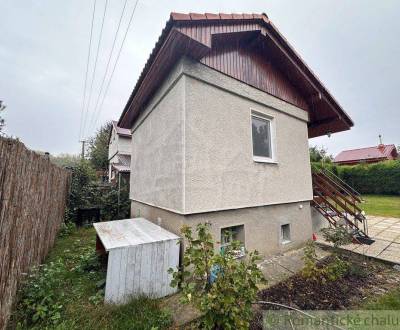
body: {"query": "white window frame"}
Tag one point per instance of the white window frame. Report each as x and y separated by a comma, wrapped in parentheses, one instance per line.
(271, 120)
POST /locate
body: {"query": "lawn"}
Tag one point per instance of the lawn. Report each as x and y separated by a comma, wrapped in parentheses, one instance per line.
(67, 292)
(389, 301)
(388, 206)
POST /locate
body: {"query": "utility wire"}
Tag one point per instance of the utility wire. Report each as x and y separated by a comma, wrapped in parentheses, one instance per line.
(87, 69)
(95, 66)
(108, 64)
(116, 62)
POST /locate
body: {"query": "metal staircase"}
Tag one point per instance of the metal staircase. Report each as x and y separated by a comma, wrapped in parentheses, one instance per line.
(339, 203)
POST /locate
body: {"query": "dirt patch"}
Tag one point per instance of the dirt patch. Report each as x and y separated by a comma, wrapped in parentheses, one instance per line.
(367, 278)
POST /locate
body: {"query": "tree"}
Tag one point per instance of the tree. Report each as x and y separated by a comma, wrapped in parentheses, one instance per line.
(320, 154)
(98, 147)
(2, 121)
(221, 286)
(66, 160)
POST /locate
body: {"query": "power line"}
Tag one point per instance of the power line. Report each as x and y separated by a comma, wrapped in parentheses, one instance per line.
(108, 63)
(87, 69)
(95, 66)
(116, 62)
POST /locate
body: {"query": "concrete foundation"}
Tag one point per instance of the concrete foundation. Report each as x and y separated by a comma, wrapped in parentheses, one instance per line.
(262, 225)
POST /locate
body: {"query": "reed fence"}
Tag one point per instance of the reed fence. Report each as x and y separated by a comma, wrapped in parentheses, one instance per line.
(33, 194)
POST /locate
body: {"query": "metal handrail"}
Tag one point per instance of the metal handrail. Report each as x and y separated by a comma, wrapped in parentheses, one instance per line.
(343, 182)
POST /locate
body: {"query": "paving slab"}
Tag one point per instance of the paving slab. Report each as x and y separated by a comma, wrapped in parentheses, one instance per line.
(280, 267)
(386, 232)
(391, 253)
(374, 249)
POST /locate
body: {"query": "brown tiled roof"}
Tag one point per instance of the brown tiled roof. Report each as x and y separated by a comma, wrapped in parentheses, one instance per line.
(364, 154)
(172, 44)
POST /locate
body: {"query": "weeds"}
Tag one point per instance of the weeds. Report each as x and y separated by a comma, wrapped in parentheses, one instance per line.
(67, 292)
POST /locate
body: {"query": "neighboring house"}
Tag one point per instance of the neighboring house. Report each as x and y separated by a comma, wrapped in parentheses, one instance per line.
(220, 120)
(119, 152)
(376, 154)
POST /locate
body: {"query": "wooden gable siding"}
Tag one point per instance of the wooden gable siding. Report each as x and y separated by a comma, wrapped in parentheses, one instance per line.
(243, 60)
(253, 68)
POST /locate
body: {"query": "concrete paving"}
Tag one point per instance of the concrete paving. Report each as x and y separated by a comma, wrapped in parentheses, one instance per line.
(386, 232)
(279, 267)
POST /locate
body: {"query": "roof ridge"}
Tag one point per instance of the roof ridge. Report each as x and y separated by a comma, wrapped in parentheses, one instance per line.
(373, 147)
(216, 16)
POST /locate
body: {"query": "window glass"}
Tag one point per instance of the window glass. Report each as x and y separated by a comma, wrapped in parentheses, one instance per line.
(261, 130)
(285, 233)
(230, 234)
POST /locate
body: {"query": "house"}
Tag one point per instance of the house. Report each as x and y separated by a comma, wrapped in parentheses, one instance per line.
(375, 154)
(220, 119)
(119, 152)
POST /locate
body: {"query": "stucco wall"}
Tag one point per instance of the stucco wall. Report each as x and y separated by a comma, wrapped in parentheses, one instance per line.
(262, 225)
(157, 158)
(192, 146)
(113, 145)
(220, 172)
(124, 145)
(118, 145)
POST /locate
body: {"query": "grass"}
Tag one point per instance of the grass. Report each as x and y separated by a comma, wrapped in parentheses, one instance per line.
(389, 301)
(387, 206)
(67, 292)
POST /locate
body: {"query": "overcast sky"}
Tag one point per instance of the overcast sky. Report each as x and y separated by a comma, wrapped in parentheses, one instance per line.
(353, 46)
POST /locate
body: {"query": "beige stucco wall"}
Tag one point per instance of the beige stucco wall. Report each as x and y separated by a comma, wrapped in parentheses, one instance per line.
(113, 145)
(220, 172)
(192, 146)
(118, 145)
(124, 145)
(262, 225)
(157, 159)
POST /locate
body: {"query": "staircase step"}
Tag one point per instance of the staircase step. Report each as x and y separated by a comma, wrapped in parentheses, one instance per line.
(364, 239)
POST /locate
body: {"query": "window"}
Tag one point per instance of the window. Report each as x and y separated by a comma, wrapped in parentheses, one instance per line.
(285, 233)
(230, 234)
(262, 138)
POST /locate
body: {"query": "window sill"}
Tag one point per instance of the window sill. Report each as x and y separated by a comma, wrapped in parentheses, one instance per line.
(264, 160)
(286, 242)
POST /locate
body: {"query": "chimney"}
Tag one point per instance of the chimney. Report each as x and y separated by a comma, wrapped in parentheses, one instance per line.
(380, 145)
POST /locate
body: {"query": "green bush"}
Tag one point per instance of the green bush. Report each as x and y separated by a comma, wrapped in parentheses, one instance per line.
(311, 270)
(87, 191)
(41, 302)
(222, 287)
(377, 179)
(381, 178)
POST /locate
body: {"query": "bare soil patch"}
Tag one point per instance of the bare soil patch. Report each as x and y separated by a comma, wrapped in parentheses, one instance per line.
(365, 279)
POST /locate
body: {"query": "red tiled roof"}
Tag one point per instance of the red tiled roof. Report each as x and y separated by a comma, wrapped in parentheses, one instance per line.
(364, 154)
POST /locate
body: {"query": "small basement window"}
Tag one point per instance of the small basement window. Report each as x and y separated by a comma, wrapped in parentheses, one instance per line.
(285, 233)
(262, 138)
(230, 234)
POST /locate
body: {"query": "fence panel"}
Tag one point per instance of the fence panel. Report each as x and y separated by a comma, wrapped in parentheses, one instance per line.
(33, 194)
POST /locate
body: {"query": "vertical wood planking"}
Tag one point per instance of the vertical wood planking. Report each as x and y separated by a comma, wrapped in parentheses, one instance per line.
(141, 270)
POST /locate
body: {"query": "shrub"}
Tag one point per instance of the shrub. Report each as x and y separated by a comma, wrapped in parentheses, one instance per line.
(336, 269)
(86, 191)
(380, 178)
(41, 303)
(222, 287)
(310, 269)
(338, 236)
